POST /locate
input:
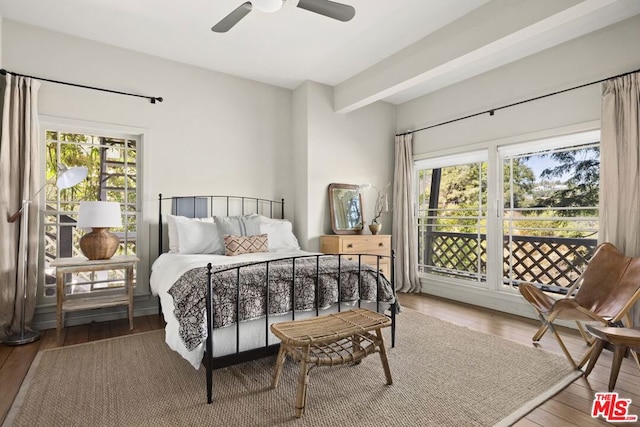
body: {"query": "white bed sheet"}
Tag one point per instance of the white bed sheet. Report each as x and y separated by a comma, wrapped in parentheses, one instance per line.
(168, 268)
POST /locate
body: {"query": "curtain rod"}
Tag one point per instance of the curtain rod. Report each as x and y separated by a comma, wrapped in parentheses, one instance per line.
(492, 111)
(152, 99)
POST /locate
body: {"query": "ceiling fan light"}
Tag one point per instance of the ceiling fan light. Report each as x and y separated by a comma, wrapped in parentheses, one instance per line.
(267, 5)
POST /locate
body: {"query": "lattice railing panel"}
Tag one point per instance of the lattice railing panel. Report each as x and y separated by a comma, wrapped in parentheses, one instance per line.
(546, 260)
(549, 261)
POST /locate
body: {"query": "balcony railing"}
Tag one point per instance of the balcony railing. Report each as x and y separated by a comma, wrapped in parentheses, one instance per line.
(552, 262)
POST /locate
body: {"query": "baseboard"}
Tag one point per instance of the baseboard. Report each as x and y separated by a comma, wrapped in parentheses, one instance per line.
(495, 300)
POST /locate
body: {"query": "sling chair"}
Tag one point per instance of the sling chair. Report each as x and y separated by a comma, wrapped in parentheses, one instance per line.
(604, 293)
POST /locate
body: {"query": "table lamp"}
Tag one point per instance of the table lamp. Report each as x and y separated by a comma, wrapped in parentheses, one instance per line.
(99, 216)
(67, 178)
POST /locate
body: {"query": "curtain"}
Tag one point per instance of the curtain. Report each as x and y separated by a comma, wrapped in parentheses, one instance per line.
(620, 167)
(405, 234)
(19, 180)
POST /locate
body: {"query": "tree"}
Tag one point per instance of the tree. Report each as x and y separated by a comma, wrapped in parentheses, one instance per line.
(583, 184)
(522, 178)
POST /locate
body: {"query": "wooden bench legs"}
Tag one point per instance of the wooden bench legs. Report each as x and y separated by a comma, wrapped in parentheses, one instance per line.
(303, 374)
(383, 357)
(303, 384)
(279, 364)
(329, 340)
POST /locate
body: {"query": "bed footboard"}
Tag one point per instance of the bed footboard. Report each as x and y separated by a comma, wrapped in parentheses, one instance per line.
(350, 279)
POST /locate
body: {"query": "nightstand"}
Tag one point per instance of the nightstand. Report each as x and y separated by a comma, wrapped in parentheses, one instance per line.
(370, 244)
(78, 265)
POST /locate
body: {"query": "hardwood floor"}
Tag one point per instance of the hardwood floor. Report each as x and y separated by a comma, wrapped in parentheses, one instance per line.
(570, 407)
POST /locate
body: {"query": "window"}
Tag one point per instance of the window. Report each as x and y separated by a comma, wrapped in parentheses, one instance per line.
(528, 213)
(113, 175)
(550, 211)
(544, 213)
(452, 213)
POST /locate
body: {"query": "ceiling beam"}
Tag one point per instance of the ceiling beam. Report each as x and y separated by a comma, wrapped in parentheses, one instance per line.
(509, 31)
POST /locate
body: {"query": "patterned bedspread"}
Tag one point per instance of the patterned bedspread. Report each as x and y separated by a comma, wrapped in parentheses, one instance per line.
(189, 292)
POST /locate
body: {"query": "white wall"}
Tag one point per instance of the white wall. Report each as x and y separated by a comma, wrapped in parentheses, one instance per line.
(352, 148)
(213, 134)
(598, 55)
(300, 118)
(604, 53)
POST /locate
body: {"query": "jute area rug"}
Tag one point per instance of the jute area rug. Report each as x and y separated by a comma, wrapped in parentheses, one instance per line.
(443, 374)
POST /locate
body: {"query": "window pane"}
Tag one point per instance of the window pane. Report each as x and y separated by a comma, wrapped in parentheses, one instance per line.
(452, 221)
(550, 215)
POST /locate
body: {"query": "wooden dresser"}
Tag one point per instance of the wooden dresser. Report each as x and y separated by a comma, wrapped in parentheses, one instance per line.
(379, 244)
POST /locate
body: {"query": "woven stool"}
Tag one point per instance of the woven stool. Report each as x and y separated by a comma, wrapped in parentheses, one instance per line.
(329, 340)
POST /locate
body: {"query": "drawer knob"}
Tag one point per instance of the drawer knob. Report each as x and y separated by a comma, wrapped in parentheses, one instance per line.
(381, 244)
(349, 245)
(350, 258)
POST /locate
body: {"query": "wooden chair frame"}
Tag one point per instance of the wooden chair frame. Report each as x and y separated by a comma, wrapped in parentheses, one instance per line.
(569, 308)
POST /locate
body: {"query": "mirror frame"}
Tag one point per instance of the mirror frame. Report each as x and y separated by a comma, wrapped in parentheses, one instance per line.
(334, 225)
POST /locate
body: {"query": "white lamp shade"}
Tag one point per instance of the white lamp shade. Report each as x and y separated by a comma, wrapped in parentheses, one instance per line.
(99, 215)
(71, 176)
(267, 5)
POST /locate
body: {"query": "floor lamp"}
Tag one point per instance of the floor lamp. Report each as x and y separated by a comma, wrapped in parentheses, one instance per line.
(67, 177)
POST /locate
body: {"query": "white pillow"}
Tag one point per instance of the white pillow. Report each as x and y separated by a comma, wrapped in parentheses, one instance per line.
(193, 235)
(174, 246)
(280, 235)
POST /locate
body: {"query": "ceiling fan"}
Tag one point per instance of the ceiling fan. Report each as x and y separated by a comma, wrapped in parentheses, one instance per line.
(339, 11)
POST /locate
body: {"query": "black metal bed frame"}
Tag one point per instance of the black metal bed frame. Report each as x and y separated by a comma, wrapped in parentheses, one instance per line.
(189, 206)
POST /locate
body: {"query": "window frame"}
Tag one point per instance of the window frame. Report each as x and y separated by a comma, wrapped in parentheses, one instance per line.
(494, 295)
(452, 160)
(535, 146)
(66, 125)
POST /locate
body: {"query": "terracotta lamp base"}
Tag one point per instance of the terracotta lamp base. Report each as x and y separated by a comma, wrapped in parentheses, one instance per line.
(99, 244)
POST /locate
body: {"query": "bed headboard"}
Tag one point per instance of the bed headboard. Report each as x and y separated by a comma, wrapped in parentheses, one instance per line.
(207, 206)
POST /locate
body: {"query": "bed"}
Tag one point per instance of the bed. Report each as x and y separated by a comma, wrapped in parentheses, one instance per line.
(233, 267)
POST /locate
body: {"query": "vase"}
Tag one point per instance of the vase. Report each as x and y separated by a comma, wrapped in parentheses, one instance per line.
(375, 227)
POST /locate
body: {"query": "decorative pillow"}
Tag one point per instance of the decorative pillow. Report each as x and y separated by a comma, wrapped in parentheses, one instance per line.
(174, 241)
(243, 225)
(198, 237)
(281, 237)
(237, 245)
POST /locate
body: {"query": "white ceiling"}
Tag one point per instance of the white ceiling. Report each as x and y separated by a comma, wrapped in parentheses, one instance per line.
(287, 47)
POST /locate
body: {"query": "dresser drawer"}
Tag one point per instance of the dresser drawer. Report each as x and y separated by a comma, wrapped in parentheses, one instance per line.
(366, 245)
(366, 259)
(385, 267)
(376, 245)
(385, 263)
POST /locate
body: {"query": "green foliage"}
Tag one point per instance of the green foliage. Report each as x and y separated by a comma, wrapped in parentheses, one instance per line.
(462, 196)
(95, 153)
(583, 184)
(523, 179)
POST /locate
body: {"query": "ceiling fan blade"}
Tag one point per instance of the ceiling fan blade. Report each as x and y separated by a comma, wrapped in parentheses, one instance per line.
(339, 11)
(232, 19)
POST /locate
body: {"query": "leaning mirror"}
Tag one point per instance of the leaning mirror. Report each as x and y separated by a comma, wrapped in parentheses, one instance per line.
(345, 204)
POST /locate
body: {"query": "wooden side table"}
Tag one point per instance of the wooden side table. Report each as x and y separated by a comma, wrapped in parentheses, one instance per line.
(620, 339)
(76, 265)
